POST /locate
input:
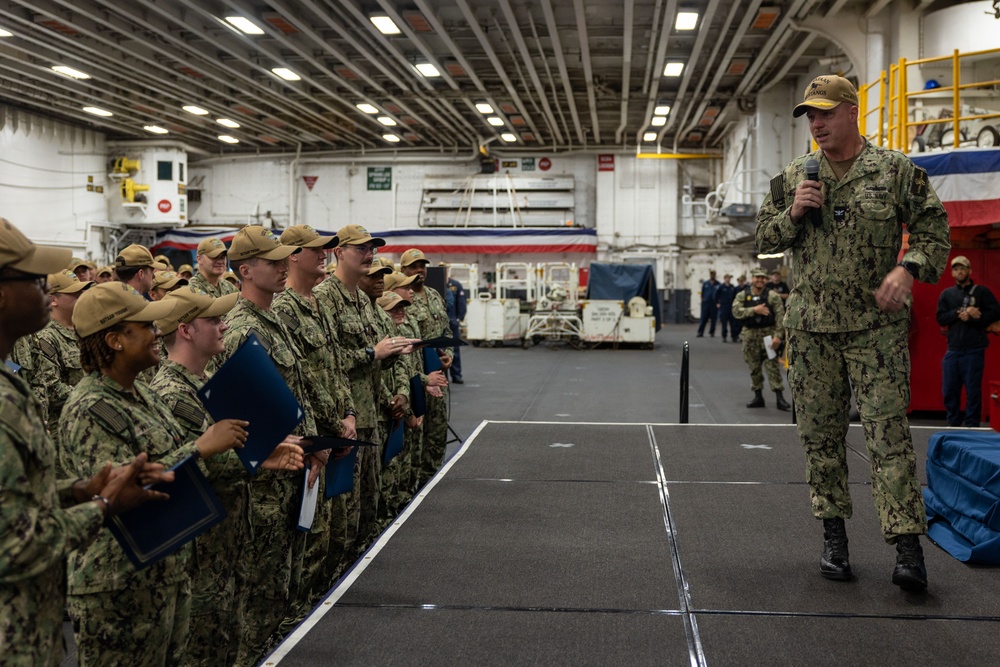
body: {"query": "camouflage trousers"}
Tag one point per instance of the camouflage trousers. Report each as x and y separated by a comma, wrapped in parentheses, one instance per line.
(413, 450)
(755, 356)
(822, 369)
(435, 436)
(139, 627)
(362, 502)
(317, 545)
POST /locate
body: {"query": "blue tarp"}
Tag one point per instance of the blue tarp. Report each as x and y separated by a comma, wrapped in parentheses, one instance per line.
(963, 495)
(622, 282)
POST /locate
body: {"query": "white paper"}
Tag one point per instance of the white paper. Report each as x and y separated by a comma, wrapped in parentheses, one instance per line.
(771, 354)
(307, 511)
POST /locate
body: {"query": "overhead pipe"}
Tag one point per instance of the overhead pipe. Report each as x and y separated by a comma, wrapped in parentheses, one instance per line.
(654, 35)
(588, 72)
(552, 82)
(779, 35)
(628, 19)
(550, 22)
(669, 11)
(520, 74)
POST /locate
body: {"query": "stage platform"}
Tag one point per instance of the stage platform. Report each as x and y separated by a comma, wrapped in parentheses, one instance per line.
(566, 543)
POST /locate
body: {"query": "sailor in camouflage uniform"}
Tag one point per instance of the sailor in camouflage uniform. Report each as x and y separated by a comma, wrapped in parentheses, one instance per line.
(364, 355)
(42, 518)
(761, 311)
(211, 260)
(431, 314)
(309, 322)
(122, 615)
(274, 544)
(848, 315)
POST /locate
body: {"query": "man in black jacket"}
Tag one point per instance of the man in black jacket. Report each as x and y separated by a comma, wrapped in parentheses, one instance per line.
(966, 309)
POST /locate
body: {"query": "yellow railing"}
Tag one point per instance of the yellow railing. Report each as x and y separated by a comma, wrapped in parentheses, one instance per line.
(893, 127)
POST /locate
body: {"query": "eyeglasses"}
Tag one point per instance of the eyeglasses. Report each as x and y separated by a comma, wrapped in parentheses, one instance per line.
(41, 281)
(365, 248)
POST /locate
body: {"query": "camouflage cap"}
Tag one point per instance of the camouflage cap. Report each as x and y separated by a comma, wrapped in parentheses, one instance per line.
(195, 304)
(137, 255)
(390, 300)
(356, 235)
(17, 252)
(961, 260)
(396, 279)
(214, 248)
(304, 236)
(412, 256)
(66, 282)
(168, 280)
(759, 271)
(107, 304)
(827, 92)
(257, 241)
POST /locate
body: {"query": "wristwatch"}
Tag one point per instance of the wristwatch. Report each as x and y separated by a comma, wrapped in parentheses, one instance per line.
(350, 413)
(911, 267)
(370, 351)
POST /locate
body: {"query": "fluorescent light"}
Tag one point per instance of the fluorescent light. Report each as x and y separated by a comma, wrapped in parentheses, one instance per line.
(508, 137)
(484, 108)
(495, 121)
(427, 69)
(232, 124)
(686, 21)
(98, 111)
(673, 69)
(70, 72)
(228, 139)
(155, 129)
(245, 25)
(366, 108)
(385, 120)
(286, 74)
(5, 33)
(391, 138)
(384, 25)
(197, 111)
(659, 121)
(661, 110)
(649, 136)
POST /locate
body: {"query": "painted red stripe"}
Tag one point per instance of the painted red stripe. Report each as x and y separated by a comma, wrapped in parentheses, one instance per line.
(973, 213)
(497, 249)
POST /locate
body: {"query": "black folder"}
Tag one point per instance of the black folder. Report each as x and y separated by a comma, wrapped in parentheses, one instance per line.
(154, 530)
(440, 341)
(418, 402)
(393, 442)
(340, 474)
(317, 443)
(432, 362)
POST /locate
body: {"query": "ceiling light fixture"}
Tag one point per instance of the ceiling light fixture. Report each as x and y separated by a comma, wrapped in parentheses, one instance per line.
(484, 107)
(228, 139)
(155, 129)
(649, 136)
(197, 111)
(391, 138)
(70, 72)
(286, 74)
(661, 110)
(98, 111)
(673, 69)
(508, 137)
(366, 108)
(495, 121)
(244, 25)
(766, 17)
(427, 69)
(385, 120)
(686, 21)
(659, 121)
(231, 124)
(6, 33)
(384, 24)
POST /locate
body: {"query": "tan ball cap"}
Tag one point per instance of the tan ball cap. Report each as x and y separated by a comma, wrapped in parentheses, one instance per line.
(356, 235)
(231, 277)
(185, 268)
(194, 304)
(412, 256)
(66, 282)
(961, 260)
(825, 93)
(390, 300)
(304, 236)
(394, 280)
(377, 269)
(137, 255)
(163, 259)
(110, 270)
(168, 280)
(107, 304)
(256, 241)
(76, 263)
(17, 252)
(214, 248)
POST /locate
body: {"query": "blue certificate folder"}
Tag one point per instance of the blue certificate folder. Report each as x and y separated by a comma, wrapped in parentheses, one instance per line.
(249, 387)
(394, 442)
(154, 530)
(340, 474)
(432, 362)
(418, 402)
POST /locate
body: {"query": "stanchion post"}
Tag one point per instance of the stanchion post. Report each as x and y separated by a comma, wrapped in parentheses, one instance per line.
(685, 359)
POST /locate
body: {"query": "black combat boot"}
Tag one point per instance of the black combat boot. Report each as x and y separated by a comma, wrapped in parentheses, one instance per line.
(833, 564)
(910, 573)
(758, 400)
(782, 405)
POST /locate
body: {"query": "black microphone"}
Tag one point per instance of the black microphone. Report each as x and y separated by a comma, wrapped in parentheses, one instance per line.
(812, 174)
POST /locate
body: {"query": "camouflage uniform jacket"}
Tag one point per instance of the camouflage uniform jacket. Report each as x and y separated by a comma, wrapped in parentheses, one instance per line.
(102, 421)
(743, 310)
(247, 318)
(393, 381)
(225, 287)
(357, 329)
(428, 310)
(840, 264)
(36, 533)
(24, 355)
(57, 365)
(311, 327)
(411, 364)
